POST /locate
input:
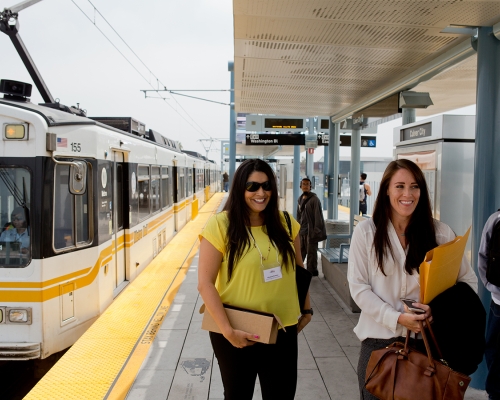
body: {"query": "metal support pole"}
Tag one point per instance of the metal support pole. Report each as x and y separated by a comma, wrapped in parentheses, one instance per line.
(296, 178)
(232, 128)
(354, 178)
(333, 172)
(486, 192)
(409, 116)
(325, 172)
(310, 157)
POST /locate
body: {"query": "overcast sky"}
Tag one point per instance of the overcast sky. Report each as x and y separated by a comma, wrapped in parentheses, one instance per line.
(186, 44)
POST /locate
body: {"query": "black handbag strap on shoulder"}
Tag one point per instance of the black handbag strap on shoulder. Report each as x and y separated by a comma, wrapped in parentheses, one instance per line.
(288, 222)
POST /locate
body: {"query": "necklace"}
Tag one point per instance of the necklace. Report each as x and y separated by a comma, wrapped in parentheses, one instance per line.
(268, 249)
(401, 234)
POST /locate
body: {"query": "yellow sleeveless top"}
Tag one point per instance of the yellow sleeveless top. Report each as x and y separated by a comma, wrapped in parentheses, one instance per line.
(247, 288)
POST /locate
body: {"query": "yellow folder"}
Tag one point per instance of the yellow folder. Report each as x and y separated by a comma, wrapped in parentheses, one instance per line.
(440, 268)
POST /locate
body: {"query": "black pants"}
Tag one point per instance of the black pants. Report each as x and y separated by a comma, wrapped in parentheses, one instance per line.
(275, 364)
(309, 249)
(362, 207)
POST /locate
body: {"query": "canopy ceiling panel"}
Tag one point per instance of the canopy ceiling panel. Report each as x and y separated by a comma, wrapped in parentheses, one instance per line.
(323, 57)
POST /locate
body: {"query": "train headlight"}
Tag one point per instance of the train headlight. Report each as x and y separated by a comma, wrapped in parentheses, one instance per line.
(2, 315)
(15, 131)
(18, 315)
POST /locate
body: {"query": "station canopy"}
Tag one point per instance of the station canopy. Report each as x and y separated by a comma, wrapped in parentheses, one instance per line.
(337, 57)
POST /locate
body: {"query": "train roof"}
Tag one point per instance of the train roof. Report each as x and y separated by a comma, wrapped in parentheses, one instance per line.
(52, 116)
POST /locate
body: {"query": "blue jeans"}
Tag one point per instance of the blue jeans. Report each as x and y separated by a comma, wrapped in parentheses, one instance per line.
(492, 352)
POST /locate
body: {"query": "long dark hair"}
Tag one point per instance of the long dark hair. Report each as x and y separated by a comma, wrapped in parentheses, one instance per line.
(420, 233)
(238, 234)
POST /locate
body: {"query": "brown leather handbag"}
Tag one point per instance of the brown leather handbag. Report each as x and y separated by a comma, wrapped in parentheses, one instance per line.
(400, 372)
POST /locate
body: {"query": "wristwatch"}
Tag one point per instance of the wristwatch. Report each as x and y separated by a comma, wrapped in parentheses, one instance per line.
(308, 311)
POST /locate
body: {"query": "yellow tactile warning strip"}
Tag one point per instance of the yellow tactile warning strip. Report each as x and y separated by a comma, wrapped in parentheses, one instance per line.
(344, 209)
(105, 360)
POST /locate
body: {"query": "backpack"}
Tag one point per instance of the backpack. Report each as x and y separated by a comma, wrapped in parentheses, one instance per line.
(493, 264)
(362, 192)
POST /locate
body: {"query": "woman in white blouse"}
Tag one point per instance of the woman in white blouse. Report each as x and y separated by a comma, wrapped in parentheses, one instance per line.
(385, 254)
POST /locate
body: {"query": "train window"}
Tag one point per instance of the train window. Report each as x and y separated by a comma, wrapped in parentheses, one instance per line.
(72, 213)
(143, 191)
(119, 196)
(166, 187)
(15, 199)
(155, 189)
(181, 182)
(201, 179)
(189, 188)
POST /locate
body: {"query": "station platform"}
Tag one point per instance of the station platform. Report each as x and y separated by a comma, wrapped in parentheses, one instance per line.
(151, 345)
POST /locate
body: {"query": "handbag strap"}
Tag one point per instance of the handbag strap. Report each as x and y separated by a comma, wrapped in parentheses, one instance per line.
(429, 327)
(431, 369)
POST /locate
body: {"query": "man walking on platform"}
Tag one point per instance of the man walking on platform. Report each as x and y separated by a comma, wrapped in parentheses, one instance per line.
(225, 180)
(312, 225)
(488, 266)
(364, 190)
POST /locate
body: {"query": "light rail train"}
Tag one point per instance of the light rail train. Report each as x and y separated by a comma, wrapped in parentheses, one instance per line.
(85, 205)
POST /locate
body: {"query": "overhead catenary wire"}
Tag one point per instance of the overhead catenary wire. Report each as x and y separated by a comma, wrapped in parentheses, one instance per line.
(198, 128)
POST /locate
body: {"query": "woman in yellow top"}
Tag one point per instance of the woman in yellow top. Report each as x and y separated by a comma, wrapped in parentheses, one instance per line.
(239, 247)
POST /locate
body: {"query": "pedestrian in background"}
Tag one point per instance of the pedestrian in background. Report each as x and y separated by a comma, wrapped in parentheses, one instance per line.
(225, 180)
(238, 249)
(312, 225)
(364, 190)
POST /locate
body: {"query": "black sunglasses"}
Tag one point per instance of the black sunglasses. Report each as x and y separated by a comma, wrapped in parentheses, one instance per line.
(254, 186)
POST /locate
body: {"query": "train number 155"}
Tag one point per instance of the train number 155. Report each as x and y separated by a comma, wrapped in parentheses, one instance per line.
(76, 147)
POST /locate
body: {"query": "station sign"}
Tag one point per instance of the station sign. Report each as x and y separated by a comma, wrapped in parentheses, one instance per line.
(269, 139)
(366, 141)
(323, 139)
(416, 132)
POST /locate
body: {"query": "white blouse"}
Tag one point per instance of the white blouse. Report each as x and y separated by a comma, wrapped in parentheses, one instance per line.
(378, 296)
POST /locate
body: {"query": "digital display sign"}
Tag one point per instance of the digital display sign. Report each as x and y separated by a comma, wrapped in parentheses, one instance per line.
(284, 123)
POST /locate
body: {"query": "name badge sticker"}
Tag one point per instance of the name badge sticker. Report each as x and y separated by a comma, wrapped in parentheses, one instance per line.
(272, 274)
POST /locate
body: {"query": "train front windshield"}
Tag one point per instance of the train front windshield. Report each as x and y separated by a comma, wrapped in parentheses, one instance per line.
(15, 244)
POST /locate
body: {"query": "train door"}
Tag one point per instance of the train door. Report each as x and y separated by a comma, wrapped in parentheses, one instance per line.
(117, 225)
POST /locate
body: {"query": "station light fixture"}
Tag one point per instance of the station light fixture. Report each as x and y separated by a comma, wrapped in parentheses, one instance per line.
(414, 100)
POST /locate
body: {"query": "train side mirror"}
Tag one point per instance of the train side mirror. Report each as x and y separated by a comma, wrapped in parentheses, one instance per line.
(78, 177)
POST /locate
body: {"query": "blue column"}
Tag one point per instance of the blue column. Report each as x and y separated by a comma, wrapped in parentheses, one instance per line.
(409, 116)
(333, 171)
(325, 172)
(354, 178)
(310, 157)
(486, 198)
(296, 178)
(232, 128)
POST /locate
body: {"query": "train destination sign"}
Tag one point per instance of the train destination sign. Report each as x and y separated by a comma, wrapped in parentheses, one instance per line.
(283, 123)
(269, 139)
(416, 132)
